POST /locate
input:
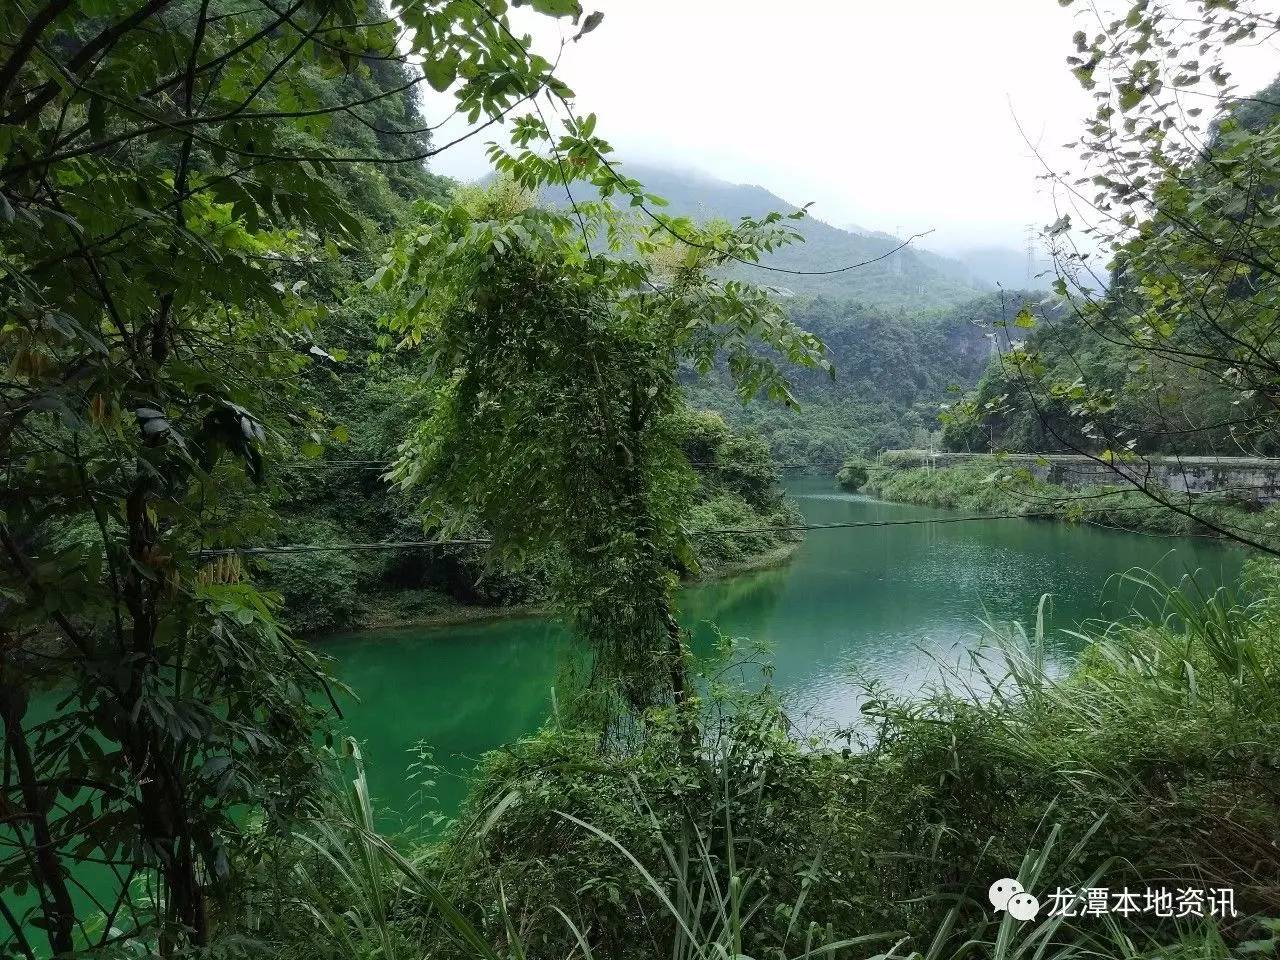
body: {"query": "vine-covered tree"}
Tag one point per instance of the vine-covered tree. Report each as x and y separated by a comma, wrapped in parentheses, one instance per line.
(557, 337)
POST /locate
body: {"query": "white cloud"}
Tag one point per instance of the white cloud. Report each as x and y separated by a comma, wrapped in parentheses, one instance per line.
(894, 114)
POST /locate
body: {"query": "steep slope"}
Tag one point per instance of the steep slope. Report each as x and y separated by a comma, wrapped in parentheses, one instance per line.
(893, 371)
(905, 334)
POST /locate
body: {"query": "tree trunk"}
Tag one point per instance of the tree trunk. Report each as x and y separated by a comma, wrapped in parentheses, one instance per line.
(55, 901)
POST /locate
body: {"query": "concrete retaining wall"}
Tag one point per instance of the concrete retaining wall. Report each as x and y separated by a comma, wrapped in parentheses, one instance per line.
(1248, 477)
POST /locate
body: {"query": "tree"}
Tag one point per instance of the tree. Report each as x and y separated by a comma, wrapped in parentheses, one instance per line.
(1173, 350)
(169, 169)
(557, 336)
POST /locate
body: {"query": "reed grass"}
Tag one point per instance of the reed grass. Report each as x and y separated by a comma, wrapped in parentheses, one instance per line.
(1153, 761)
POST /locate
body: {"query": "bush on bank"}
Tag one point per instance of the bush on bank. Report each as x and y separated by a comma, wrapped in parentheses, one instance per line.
(990, 486)
(854, 474)
(736, 487)
(1152, 764)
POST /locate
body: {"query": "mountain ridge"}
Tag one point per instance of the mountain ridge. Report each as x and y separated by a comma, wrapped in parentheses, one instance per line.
(910, 277)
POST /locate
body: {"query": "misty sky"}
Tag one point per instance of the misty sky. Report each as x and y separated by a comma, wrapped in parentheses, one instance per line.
(898, 115)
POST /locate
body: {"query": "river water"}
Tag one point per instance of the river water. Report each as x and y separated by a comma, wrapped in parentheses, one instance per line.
(883, 603)
(887, 604)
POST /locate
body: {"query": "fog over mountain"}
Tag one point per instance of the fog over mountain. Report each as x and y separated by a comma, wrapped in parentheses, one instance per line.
(821, 102)
(913, 276)
(1008, 267)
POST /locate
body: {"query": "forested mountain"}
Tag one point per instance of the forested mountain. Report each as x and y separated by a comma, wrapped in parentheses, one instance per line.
(1151, 405)
(892, 371)
(912, 277)
(904, 335)
(1135, 368)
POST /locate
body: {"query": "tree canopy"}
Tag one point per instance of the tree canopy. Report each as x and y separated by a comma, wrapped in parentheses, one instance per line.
(172, 173)
(1165, 339)
(553, 430)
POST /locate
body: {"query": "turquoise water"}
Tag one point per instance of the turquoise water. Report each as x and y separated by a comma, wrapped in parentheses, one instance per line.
(883, 603)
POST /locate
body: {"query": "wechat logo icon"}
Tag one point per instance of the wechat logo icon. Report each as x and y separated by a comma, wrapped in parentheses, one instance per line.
(1007, 894)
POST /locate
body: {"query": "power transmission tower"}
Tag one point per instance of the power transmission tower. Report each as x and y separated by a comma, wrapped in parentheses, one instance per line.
(1031, 246)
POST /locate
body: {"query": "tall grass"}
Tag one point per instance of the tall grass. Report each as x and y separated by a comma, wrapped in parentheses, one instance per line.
(1153, 762)
(348, 892)
(714, 898)
(1168, 724)
(354, 895)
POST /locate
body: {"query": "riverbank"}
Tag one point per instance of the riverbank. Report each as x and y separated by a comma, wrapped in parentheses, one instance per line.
(990, 485)
(732, 484)
(428, 608)
(847, 603)
(431, 608)
(1149, 765)
(937, 794)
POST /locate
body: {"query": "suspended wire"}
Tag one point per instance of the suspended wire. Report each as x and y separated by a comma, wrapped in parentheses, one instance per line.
(340, 547)
(382, 466)
(416, 544)
(1201, 461)
(725, 531)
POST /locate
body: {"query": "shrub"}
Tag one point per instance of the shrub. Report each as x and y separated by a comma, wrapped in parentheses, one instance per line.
(1151, 764)
(854, 474)
(319, 589)
(988, 486)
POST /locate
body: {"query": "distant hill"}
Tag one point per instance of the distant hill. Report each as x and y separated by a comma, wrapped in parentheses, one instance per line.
(912, 278)
(905, 334)
(893, 371)
(1007, 267)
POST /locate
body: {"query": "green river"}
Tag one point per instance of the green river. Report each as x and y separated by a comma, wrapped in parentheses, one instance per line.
(884, 602)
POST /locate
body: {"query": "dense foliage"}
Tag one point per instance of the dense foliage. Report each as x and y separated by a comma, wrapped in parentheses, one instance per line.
(998, 487)
(853, 475)
(186, 225)
(343, 498)
(172, 175)
(1149, 765)
(1166, 342)
(893, 371)
(551, 426)
(236, 308)
(1151, 406)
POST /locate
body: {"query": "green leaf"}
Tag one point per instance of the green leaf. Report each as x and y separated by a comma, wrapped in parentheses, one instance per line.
(1024, 319)
(553, 8)
(593, 20)
(1130, 96)
(442, 72)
